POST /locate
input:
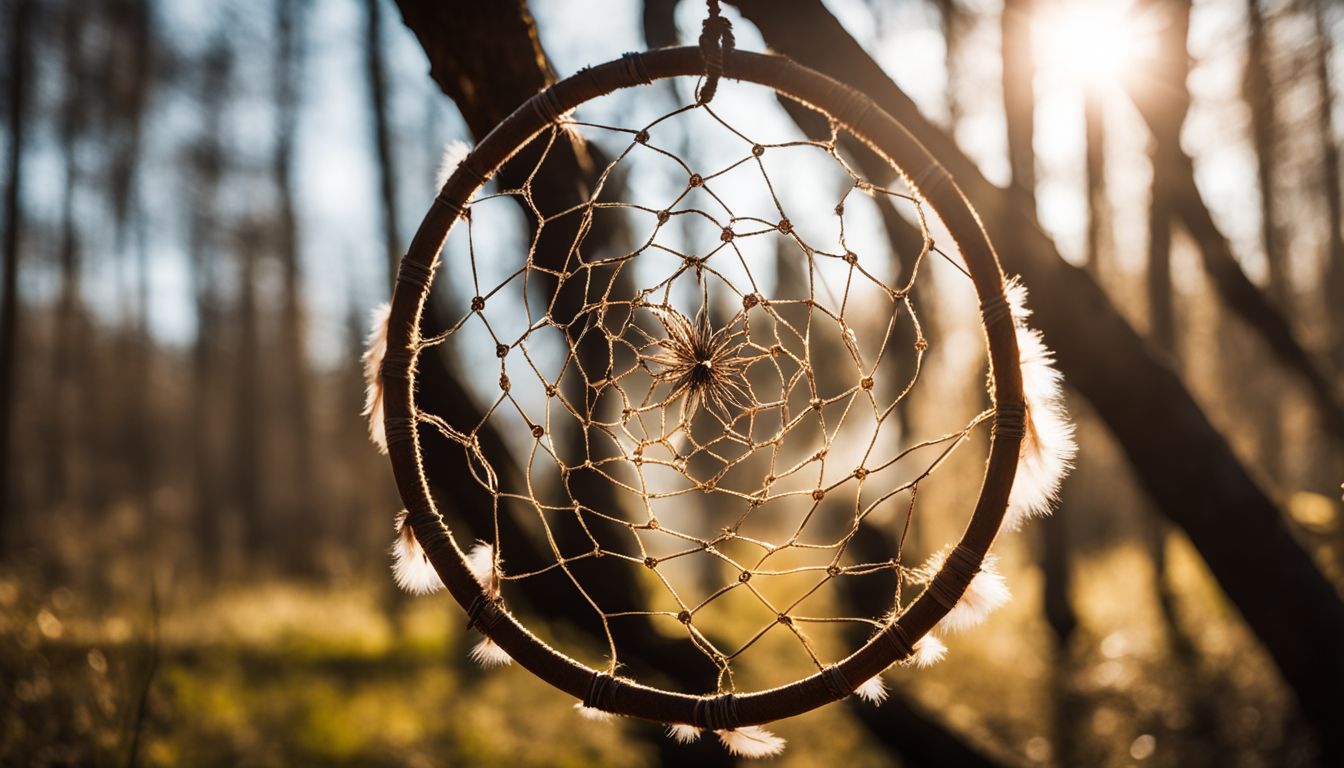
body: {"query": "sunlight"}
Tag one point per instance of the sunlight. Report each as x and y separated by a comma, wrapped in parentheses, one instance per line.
(1092, 42)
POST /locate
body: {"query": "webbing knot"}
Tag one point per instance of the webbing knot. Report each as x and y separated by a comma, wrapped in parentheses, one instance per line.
(716, 42)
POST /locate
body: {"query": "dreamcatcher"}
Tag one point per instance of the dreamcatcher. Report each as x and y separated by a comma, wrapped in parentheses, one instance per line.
(673, 453)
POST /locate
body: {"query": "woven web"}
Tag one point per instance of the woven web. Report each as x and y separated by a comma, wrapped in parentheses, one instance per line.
(682, 404)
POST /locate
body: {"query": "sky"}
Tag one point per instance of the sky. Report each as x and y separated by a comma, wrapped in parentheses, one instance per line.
(339, 214)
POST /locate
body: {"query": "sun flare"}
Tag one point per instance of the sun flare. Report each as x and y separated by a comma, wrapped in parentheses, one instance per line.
(1093, 42)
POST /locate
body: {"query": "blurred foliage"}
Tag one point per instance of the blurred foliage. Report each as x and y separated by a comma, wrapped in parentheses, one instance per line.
(280, 674)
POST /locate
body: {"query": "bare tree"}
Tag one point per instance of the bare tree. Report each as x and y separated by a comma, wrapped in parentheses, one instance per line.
(65, 406)
(1019, 94)
(953, 20)
(382, 139)
(1332, 170)
(1175, 171)
(1258, 92)
(19, 36)
(249, 410)
(301, 496)
(207, 160)
(136, 57)
(1172, 64)
(660, 23)
(1098, 205)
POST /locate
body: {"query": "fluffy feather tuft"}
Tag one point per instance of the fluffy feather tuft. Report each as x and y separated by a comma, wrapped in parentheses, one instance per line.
(1048, 447)
(593, 713)
(987, 592)
(751, 741)
(453, 155)
(411, 568)
(928, 651)
(873, 690)
(682, 733)
(374, 351)
(488, 654)
(481, 563)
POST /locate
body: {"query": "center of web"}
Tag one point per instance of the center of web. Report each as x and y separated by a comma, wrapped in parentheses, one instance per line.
(701, 363)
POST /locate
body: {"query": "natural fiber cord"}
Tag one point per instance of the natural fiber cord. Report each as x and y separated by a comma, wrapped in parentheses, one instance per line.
(702, 388)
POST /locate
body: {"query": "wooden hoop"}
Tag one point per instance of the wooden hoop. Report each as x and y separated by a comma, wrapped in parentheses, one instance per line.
(928, 179)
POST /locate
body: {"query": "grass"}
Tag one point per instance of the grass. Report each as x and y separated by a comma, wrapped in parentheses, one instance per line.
(281, 674)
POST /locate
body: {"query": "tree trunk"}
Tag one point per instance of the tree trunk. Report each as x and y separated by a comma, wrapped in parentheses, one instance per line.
(249, 407)
(1173, 65)
(131, 22)
(1019, 107)
(659, 23)
(300, 495)
(1098, 205)
(1187, 468)
(382, 138)
(952, 20)
(1019, 95)
(134, 19)
(207, 167)
(1258, 91)
(1161, 306)
(1331, 171)
(66, 406)
(19, 36)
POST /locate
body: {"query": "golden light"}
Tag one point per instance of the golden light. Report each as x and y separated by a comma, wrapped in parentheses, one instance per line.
(1091, 42)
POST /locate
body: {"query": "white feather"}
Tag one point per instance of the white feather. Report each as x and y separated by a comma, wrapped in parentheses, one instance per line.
(488, 654)
(481, 563)
(411, 568)
(928, 651)
(987, 592)
(873, 690)
(751, 741)
(593, 713)
(374, 351)
(682, 733)
(1048, 445)
(453, 155)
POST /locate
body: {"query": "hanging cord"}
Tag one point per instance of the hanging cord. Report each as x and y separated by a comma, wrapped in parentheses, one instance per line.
(716, 41)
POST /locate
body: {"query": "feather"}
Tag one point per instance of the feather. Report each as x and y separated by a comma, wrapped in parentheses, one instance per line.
(375, 350)
(488, 654)
(987, 592)
(481, 563)
(682, 733)
(411, 568)
(453, 155)
(751, 741)
(873, 690)
(593, 713)
(1048, 445)
(928, 651)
